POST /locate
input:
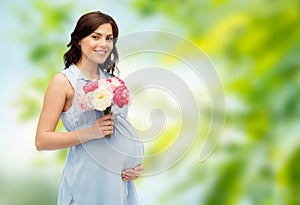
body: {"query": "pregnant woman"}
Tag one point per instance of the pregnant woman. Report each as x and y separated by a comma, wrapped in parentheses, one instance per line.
(99, 170)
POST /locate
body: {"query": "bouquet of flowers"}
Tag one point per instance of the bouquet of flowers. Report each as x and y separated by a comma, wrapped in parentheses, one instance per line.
(102, 94)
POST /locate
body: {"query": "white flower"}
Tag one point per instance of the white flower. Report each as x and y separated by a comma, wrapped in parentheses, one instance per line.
(102, 98)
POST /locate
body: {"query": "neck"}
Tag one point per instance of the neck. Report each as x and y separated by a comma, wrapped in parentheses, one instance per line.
(89, 69)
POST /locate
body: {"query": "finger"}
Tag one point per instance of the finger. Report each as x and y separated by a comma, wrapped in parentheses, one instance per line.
(126, 179)
(107, 129)
(131, 174)
(106, 123)
(129, 178)
(138, 171)
(106, 132)
(127, 174)
(139, 168)
(106, 118)
(109, 117)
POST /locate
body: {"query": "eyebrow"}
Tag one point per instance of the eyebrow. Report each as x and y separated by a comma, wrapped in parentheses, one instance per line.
(102, 35)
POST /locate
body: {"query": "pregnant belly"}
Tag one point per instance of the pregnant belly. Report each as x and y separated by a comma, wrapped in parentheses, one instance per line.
(122, 150)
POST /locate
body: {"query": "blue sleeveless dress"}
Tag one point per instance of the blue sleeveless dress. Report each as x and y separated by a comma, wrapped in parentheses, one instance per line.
(92, 172)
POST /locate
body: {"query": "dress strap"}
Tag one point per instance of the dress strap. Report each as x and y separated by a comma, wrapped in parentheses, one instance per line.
(72, 73)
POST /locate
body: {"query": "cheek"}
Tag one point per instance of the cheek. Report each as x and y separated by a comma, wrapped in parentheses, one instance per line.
(111, 46)
(87, 49)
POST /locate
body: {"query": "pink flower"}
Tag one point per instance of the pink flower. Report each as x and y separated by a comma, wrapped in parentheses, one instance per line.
(90, 86)
(115, 82)
(121, 96)
(84, 100)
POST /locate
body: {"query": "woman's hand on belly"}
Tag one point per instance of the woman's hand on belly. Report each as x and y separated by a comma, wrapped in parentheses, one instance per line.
(132, 174)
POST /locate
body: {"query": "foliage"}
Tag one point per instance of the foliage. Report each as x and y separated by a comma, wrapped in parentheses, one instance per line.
(29, 189)
(255, 45)
(49, 22)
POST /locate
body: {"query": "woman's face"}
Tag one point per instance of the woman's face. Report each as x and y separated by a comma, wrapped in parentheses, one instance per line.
(97, 46)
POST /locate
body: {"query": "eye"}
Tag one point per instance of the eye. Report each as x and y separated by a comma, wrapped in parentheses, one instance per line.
(95, 37)
(109, 38)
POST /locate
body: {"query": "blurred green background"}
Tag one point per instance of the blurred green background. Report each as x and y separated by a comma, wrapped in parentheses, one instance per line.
(254, 46)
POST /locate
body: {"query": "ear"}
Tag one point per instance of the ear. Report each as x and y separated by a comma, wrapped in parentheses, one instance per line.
(79, 42)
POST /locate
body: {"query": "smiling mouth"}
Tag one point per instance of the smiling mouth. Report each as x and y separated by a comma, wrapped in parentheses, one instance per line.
(101, 52)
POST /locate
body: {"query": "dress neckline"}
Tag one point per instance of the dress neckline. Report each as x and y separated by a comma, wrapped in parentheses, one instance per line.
(102, 74)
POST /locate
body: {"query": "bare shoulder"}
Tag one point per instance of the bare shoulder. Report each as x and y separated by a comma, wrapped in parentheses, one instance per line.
(58, 85)
(59, 79)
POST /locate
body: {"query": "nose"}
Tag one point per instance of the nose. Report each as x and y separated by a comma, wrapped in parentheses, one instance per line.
(102, 42)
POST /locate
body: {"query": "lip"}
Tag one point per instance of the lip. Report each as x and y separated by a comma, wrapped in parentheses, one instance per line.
(101, 52)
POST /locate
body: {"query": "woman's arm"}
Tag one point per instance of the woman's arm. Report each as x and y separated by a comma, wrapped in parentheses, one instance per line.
(54, 103)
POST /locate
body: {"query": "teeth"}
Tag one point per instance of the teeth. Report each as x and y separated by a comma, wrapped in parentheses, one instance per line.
(103, 52)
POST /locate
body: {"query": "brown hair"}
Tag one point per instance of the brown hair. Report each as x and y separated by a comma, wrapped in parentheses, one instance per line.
(86, 25)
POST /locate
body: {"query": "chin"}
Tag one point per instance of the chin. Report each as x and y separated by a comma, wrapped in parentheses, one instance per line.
(100, 61)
